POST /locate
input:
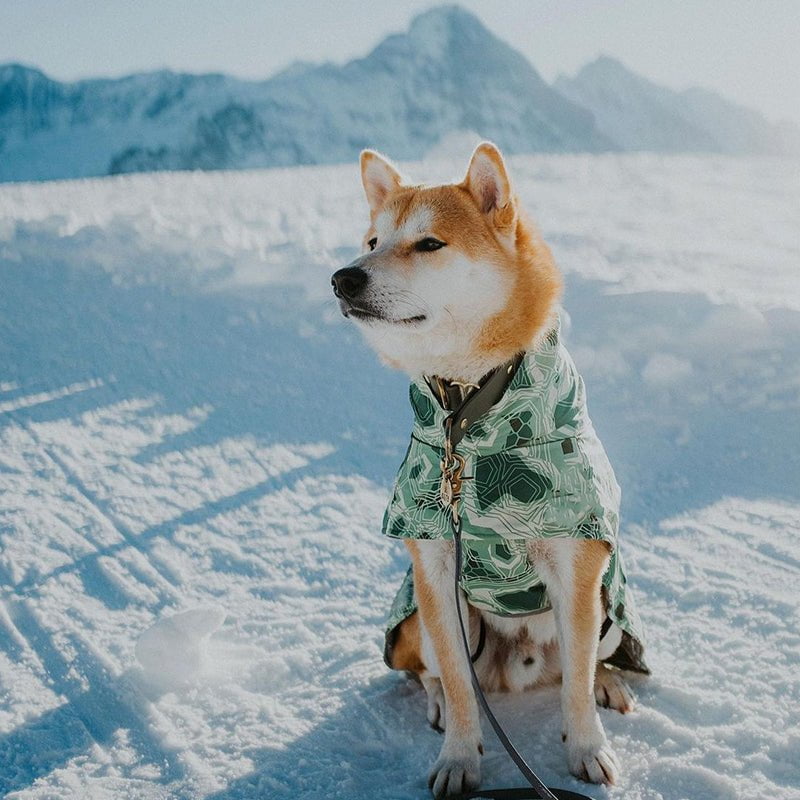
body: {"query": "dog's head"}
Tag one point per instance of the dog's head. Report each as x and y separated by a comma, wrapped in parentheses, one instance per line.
(453, 279)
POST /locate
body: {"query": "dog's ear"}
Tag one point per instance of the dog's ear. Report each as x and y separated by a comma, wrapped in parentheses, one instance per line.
(379, 177)
(488, 182)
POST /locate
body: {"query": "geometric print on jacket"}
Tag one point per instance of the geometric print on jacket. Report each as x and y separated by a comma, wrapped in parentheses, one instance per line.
(534, 468)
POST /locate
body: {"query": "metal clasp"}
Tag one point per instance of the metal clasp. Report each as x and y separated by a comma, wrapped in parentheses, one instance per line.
(450, 488)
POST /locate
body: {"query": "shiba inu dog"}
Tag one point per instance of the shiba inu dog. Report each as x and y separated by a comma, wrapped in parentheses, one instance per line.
(454, 284)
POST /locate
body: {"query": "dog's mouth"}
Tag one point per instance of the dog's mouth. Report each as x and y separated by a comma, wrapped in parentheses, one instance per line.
(369, 315)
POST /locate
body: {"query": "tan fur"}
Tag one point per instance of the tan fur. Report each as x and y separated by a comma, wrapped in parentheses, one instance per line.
(456, 219)
(537, 289)
(503, 236)
(407, 650)
(456, 686)
(372, 162)
(589, 564)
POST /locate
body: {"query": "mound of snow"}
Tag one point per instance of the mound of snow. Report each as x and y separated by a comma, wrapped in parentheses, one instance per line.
(173, 650)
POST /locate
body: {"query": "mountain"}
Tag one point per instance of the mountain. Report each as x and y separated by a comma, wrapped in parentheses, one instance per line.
(50, 129)
(445, 76)
(640, 115)
(448, 72)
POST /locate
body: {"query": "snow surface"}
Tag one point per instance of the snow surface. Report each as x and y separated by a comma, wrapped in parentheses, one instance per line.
(195, 452)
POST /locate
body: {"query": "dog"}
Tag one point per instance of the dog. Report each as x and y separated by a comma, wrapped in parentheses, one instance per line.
(455, 283)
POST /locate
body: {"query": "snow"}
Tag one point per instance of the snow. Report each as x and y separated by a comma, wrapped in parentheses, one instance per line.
(174, 651)
(195, 453)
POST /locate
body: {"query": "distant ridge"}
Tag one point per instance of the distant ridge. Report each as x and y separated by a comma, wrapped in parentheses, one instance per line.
(640, 115)
(446, 74)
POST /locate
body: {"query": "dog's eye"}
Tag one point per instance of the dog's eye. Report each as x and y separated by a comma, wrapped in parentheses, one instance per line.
(372, 242)
(428, 245)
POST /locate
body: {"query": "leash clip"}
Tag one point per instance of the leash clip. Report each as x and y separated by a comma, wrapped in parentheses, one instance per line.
(452, 467)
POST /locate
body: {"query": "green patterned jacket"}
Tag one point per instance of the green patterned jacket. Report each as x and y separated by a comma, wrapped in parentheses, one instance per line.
(534, 469)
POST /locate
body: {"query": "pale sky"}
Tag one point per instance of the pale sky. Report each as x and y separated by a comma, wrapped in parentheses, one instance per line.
(746, 49)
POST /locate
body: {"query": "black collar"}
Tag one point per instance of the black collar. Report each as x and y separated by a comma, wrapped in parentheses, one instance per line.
(467, 402)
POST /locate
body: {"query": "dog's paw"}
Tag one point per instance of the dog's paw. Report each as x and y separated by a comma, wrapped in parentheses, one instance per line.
(593, 760)
(456, 771)
(611, 690)
(436, 707)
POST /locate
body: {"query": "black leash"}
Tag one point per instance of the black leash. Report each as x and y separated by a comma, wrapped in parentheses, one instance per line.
(540, 791)
(474, 405)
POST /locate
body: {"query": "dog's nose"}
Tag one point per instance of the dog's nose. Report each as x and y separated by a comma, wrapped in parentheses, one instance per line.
(349, 282)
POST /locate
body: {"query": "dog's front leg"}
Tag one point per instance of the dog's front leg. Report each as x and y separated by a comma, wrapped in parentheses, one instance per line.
(573, 571)
(458, 767)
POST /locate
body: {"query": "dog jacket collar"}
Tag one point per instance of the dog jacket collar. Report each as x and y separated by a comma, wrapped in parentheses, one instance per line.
(465, 405)
(534, 468)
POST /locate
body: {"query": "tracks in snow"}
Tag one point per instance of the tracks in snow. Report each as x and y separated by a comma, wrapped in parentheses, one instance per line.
(75, 571)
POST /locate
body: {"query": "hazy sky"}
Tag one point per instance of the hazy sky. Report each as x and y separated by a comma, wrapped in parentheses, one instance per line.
(746, 49)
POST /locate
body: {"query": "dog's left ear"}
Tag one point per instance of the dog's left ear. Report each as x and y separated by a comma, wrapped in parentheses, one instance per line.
(379, 177)
(488, 182)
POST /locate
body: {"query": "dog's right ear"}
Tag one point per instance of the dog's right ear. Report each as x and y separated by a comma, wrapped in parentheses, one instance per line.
(379, 177)
(487, 179)
(488, 182)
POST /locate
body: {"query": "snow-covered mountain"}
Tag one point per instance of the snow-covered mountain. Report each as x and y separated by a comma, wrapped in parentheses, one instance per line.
(637, 114)
(57, 130)
(447, 74)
